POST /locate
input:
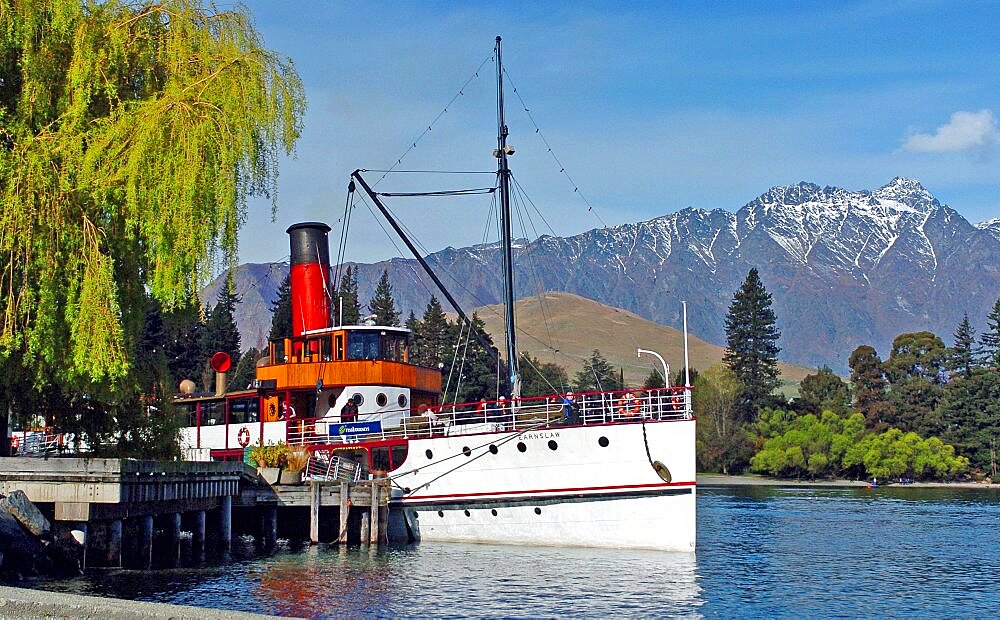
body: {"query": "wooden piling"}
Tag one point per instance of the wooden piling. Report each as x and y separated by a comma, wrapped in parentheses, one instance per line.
(315, 498)
(345, 498)
(198, 536)
(374, 512)
(172, 554)
(113, 544)
(145, 542)
(226, 523)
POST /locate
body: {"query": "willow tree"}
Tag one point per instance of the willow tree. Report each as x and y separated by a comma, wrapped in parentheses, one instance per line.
(131, 136)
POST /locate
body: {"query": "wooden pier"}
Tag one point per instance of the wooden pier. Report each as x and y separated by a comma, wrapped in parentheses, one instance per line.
(132, 513)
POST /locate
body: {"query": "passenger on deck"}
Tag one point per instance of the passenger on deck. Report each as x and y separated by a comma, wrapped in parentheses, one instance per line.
(349, 412)
(571, 415)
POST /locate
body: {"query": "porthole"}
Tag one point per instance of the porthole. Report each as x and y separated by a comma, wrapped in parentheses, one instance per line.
(603, 442)
(401, 400)
(553, 445)
(494, 512)
(466, 451)
(358, 399)
(538, 510)
(521, 447)
(406, 490)
(441, 513)
(429, 454)
(381, 400)
(331, 400)
(468, 514)
(494, 449)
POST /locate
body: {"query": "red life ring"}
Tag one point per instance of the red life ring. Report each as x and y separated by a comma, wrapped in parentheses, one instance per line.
(243, 437)
(15, 442)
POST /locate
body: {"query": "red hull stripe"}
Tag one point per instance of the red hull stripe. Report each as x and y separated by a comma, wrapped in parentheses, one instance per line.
(567, 490)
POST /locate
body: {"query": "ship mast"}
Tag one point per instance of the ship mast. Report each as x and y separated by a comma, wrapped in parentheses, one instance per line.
(503, 172)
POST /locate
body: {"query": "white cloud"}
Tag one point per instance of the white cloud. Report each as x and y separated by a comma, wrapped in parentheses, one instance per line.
(966, 131)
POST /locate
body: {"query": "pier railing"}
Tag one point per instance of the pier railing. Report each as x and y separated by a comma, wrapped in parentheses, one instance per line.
(590, 408)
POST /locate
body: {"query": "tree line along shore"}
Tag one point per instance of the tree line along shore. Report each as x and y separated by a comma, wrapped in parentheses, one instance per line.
(119, 202)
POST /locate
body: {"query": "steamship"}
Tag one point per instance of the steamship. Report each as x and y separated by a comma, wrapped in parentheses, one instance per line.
(595, 469)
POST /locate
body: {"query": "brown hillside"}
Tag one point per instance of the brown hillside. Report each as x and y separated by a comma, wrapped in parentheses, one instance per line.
(576, 326)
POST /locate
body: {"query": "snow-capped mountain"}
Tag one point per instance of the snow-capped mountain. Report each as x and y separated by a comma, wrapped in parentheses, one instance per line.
(844, 268)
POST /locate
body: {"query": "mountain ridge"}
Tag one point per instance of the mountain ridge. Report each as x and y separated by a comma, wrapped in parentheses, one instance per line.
(844, 267)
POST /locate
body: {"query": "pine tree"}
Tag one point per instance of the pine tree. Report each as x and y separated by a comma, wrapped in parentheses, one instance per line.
(654, 380)
(221, 333)
(478, 366)
(382, 305)
(751, 344)
(541, 379)
(823, 391)
(281, 311)
(435, 337)
(185, 344)
(679, 377)
(870, 386)
(989, 340)
(412, 324)
(347, 295)
(596, 375)
(961, 357)
(246, 371)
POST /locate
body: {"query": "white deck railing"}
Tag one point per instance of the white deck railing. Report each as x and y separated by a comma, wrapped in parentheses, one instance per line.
(619, 407)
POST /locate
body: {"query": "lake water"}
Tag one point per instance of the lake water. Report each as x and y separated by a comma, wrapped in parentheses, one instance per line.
(762, 551)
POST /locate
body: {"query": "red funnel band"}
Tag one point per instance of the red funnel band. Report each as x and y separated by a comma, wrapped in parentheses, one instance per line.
(310, 305)
(310, 276)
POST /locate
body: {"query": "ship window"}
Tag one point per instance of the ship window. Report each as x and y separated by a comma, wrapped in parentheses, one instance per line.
(441, 513)
(340, 347)
(190, 413)
(358, 399)
(363, 346)
(494, 512)
(380, 459)
(538, 511)
(466, 451)
(494, 449)
(521, 447)
(603, 442)
(212, 413)
(401, 400)
(553, 445)
(398, 454)
(244, 411)
(468, 514)
(429, 454)
(381, 399)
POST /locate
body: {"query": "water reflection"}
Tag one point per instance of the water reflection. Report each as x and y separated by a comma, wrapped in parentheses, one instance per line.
(762, 551)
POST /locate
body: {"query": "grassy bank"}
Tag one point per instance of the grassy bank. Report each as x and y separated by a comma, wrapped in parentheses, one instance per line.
(722, 480)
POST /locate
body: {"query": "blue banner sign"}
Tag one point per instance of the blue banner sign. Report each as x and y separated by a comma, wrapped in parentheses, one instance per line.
(356, 428)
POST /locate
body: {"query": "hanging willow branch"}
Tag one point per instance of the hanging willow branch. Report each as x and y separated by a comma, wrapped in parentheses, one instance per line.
(131, 135)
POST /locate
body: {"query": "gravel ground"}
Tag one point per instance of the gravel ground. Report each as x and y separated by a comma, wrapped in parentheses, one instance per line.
(23, 603)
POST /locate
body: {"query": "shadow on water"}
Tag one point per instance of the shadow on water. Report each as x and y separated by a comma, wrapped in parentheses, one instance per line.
(762, 551)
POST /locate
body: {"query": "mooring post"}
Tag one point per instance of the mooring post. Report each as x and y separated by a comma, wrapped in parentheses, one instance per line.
(345, 498)
(374, 513)
(113, 545)
(269, 527)
(226, 523)
(173, 550)
(146, 542)
(315, 497)
(198, 536)
(365, 527)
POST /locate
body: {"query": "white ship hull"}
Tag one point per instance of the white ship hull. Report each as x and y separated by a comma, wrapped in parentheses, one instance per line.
(579, 493)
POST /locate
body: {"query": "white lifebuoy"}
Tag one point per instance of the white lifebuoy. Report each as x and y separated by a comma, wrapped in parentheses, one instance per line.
(243, 437)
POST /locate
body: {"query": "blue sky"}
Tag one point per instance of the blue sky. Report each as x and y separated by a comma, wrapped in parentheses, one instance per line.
(650, 106)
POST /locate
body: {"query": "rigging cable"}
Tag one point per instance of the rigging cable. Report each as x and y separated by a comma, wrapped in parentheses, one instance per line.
(562, 168)
(415, 141)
